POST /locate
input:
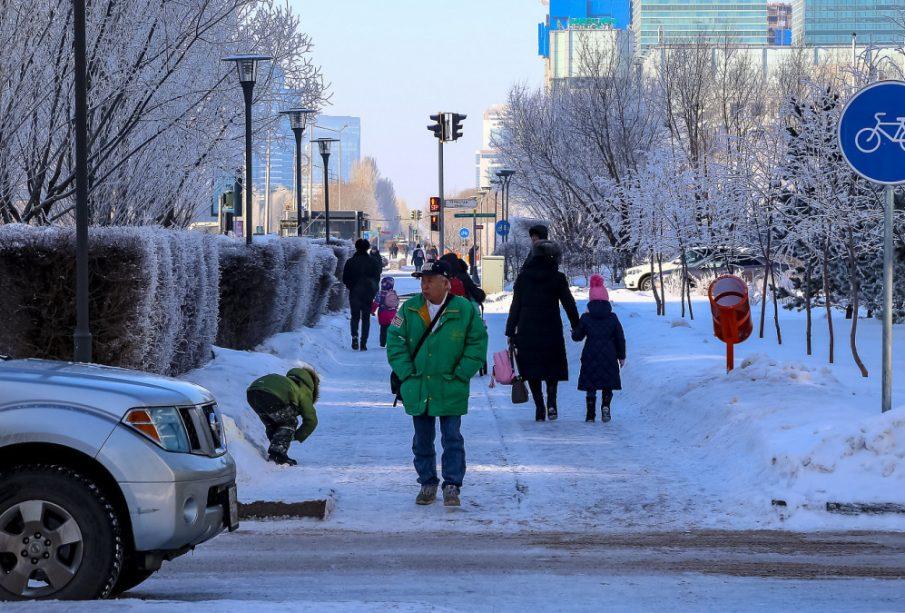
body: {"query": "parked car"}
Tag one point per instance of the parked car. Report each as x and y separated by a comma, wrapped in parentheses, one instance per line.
(703, 264)
(104, 474)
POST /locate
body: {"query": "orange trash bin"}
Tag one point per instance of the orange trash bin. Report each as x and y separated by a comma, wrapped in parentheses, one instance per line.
(731, 312)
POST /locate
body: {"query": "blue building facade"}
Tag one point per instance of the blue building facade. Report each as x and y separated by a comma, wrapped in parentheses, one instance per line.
(348, 130)
(582, 13)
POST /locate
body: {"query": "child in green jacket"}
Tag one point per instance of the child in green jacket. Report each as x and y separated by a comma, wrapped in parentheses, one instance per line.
(279, 401)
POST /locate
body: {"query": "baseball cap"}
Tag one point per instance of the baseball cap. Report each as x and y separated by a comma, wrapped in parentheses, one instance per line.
(433, 267)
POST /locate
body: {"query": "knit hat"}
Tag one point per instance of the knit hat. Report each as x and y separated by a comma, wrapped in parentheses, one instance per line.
(598, 289)
(387, 283)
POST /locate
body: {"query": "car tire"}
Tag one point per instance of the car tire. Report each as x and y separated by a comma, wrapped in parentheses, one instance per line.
(79, 553)
(130, 576)
(646, 283)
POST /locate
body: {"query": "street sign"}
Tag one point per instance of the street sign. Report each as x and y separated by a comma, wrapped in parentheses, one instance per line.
(872, 132)
(502, 227)
(480, 226)
(464, 232)
(872, 140)
(473, 215)
(461, 203)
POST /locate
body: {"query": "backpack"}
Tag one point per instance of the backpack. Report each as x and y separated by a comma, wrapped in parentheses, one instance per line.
(456, 287)
(391, 300)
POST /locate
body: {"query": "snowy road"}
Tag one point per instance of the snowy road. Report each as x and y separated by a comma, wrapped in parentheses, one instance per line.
(295, 566)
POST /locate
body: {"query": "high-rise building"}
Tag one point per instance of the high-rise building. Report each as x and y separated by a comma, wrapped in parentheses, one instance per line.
(833, 22)
(779, 24)
(575, 26)
(715, 22)
(347, 130)
(487, 160)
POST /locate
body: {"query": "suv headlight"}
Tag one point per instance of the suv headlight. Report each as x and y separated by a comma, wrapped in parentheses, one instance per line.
(163, 425)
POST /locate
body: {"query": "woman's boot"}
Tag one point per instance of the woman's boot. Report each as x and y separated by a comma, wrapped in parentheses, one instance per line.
(591, 404)
(605, 407)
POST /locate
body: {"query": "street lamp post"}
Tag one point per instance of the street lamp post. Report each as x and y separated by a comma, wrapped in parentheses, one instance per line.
(82, 335)
(505, 176)
(247, 64)
(324, 144)
(298, 118)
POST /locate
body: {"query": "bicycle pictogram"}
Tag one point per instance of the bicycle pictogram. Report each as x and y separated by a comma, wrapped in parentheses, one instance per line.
(868, 140)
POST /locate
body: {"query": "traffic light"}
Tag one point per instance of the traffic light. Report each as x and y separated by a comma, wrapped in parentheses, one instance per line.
(457, 126)
(435, 204)
(419, 215)
(435, 223)
(437, 126)
(411, 214)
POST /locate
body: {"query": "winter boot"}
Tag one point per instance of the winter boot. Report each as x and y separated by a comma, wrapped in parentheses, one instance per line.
(591, 405)
(364, 345)
(551, 413)
(354, 343)
(427, 495)
(539, 413)
(605, 407)
(281, 459)
(451, 496)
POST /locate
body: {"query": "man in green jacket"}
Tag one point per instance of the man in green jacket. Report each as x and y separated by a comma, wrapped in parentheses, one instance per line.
(279, 401)
(436, 381)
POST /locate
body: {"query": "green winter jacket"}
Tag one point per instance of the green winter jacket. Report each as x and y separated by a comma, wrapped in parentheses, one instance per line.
(438, 380)
(298, 389)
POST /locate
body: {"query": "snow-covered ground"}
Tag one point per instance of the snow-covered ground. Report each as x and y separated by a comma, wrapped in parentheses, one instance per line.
(689, 446)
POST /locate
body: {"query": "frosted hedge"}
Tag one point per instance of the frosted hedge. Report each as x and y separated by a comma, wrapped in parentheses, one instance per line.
(159, 298)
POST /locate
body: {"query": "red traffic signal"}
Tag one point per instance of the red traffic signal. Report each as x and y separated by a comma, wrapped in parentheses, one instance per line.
(435, 204)
(435, 223)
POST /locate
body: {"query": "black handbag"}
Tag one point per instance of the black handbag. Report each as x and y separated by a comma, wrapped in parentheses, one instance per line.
(395, 381)
(519, 391)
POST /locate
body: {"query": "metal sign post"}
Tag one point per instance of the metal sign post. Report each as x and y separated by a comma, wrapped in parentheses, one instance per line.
(872, 140)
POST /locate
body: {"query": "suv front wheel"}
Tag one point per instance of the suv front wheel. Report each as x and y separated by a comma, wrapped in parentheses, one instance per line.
(59, 536)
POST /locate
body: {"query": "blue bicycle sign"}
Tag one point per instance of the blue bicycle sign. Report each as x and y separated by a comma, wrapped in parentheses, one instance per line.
(872, 132)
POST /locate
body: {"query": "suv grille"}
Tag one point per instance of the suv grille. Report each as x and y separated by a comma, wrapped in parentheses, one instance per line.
(205, 429)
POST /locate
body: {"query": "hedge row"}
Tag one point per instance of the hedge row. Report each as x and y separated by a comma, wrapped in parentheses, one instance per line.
(159, 298)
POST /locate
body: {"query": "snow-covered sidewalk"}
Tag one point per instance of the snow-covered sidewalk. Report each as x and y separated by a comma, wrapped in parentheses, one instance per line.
(688, 447)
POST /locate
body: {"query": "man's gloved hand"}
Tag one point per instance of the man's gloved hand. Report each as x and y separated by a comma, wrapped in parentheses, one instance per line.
(298, 436)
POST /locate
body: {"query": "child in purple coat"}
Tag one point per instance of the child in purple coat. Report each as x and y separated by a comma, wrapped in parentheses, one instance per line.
(386, 304)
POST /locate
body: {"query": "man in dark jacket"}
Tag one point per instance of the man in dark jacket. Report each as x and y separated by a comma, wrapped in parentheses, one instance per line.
(361, 276)
(279, 401)
(535, 327)
(418, 257)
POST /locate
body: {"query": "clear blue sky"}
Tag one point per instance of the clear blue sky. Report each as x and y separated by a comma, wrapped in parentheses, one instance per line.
(394, 62)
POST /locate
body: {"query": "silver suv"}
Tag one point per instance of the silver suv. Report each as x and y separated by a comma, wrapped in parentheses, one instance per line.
(104, 474)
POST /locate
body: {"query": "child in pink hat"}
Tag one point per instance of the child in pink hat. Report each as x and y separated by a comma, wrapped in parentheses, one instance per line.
(604, 350)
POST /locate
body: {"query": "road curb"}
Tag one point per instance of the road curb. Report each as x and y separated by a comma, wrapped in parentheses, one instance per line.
(320, 509)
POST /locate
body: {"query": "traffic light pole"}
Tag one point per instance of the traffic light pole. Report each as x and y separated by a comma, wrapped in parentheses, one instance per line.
(441, 225)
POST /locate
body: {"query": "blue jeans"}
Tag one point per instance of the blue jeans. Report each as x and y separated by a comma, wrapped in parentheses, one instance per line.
(453, 459)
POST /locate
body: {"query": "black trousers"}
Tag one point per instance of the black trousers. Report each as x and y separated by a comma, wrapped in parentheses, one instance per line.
(606, 400)
(360, 313)
(537, 392)
(383, 335)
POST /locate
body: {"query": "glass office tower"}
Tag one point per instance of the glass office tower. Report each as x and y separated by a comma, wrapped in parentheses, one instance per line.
(832, 22)
(734, 22)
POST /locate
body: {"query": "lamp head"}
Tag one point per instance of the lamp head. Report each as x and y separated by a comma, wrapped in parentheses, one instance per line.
(325, 144)
(298, 117)
(247, 64)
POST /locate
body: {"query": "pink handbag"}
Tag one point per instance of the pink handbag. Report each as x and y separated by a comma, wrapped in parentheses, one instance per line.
(503, 369)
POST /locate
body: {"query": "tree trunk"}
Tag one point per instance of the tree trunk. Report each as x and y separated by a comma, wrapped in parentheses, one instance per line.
(662, 284)
(807, 305)
(826, 295)
(687, 286)
(775, 304)
(763, 303)
(653, 284)
(855, 287)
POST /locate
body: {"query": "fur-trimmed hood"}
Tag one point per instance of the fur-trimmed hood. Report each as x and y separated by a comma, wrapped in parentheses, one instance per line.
(306, 377)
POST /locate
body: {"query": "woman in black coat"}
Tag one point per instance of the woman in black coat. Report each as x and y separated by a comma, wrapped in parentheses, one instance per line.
(602, 356)
(535, 327)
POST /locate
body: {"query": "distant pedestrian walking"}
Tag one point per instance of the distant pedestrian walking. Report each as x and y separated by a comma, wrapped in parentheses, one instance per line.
(535, 327)
(418, 258)
(386, 304)
(279, 401)
(361, 276)
(604, 350)
(436, 344)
